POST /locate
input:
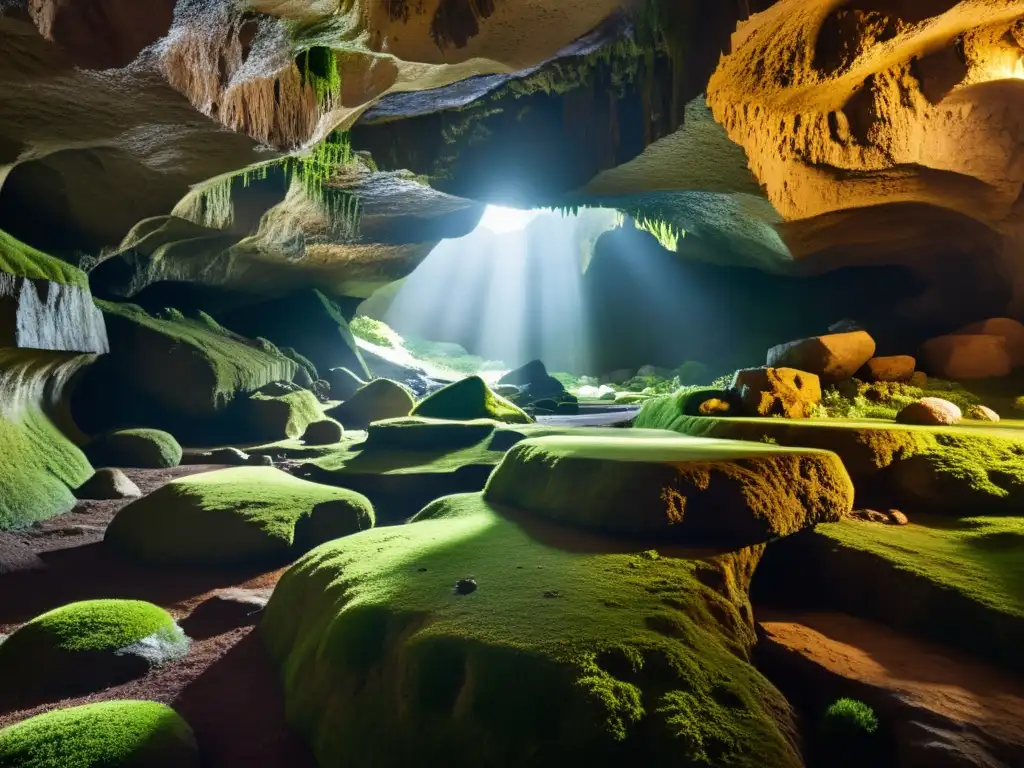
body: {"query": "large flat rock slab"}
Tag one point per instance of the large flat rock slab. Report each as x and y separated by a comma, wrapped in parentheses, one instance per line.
(711, 492)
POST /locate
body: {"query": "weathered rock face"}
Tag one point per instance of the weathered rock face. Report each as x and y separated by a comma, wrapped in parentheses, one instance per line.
(777, 392)
(868, 126)
(832, 357)
(966, 356)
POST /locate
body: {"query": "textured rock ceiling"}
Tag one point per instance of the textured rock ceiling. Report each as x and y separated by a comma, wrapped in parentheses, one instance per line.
(831, 133)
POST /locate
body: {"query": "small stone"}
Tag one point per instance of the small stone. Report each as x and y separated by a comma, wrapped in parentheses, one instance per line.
(870, 516)
(421, 570)
(227, 456)
(714, 406)
(552, 593)
(981, 413)
(465, 586)
(918, 379)
(930, 411)
(224, 611)
(891, 368)
(897, 518)
(261, 461)
(108, 483)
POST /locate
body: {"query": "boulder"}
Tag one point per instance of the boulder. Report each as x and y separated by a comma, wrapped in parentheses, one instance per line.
(412, 377)
(276, 417)
(234, 516)
(108, 483)
(506, 390)
(832, 357)
(891, 368)
(142, 448)
(930, 411)
(303, 379)
(688, 491)
(224, 611)
(535, 376)
(540, 642)
(618, 376)
(1011, 331)
(376, 400)
(233, 456)
(113, 734)
(470, 399)
(343, 383)
(918, 379)
(966, 356)
(981, 413)
(777, 392)
(323, 432)
(86, 646)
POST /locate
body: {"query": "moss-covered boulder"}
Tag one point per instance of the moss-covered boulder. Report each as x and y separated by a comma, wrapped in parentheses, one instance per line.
(39, 462)
(378, 399)
(960, 470)
(141, 448)
(953, 582)
(323, 432)
(692, 491)
(173, 372)
(534, 381)
(777, 392)
(465, 639)
(108, 483)
(275, 413)
(470, 398)
(109, 734)
(86, 646)
(237, 515)
(343, 383)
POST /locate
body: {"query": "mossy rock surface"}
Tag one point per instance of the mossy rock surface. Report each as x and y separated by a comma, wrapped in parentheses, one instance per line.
(469, 398)
(276, 416)
(237, 515)
(957, 582)
(962, 470)
(343, 383)
(110, 734)
(22, 260)
(564, 654)
(375, 400)
(141, 448)
(414, 433)
(86, 646)
(688, 490)
(323, 432)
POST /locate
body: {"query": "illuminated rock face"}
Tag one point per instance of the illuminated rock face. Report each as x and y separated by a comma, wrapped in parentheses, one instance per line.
(884, 130)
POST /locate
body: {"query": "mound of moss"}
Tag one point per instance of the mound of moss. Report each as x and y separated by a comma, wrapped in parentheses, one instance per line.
(375, 400)
(142, 448)
(22, 260)
(713, 492)
(958, 582)
(86, 646)
(969, 469)
(273, 414)
(39, 464)
(323, 432)
(466, 639)
(415, 433)
(171, 371)
(469, 398)
(237, 515)
(110, 734)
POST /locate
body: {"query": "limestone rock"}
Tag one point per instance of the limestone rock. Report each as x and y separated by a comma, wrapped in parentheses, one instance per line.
(343, 383)
(323, 432)
(832, 357)
(688, 491)
(891, 368)
(981, 413)
(966, 356)
(379, 399)
(224, 611)
(227, 455)
(1012, 331)
(235, 516)
(930, 411)
(777, 392)
(143, 448)
(277, 417)
(535, 377)
(896, 517)
(469, 399)
(108, 483)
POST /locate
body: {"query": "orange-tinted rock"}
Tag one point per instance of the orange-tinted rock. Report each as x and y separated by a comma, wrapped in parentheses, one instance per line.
(930, 411)
(919, 379)
(1010, 330)
(966, 356)
(892, 368)
(832, 357)
(777, 392)
(981, 413)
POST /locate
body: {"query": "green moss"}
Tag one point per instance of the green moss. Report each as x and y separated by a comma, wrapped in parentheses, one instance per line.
(469, 398)
(715, 492)
(292, 354)
(375, 400)
(374, 331)
(111, 734)
(279, 416)
(850, 717)
(145, 448)
(212, 364)
(86, 646)
(570, 652)
(39, 465)
(969, 469)
(846, 735)
(241, 514)
(21, 260)
(883, 400)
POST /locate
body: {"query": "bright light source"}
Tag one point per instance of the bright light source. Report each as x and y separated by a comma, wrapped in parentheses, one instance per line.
(501, 220)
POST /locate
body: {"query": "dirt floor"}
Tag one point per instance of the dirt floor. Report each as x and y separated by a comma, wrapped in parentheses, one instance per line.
(226, 687)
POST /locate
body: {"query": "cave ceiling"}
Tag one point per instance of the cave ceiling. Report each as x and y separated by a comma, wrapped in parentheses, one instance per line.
(277, 144)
